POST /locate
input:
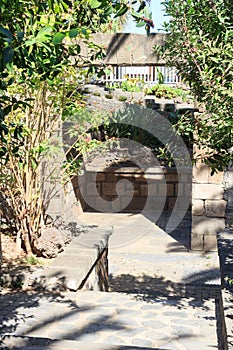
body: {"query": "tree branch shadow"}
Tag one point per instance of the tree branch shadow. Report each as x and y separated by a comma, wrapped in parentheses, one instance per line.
(145, 287)
(23, 324)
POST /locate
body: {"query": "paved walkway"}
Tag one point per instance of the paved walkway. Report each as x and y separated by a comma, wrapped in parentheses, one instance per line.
(156, 311)
(138, 248)
(111, 319)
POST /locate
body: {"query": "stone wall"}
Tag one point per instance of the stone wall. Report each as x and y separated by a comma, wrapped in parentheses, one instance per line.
(59, 196)
(209, 195)
(158, 189)
(228, 195)
(208, 207)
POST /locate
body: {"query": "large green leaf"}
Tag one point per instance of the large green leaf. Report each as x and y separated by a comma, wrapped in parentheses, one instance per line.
(58, 37)
(94, 4)
(146, 12)
(6, 33)
(140, 24)
(73, 33)
(135, 14)
(122, 11)
(20, 35)
(78, 49)
(109, 11)
(65, 6)
(44, 34)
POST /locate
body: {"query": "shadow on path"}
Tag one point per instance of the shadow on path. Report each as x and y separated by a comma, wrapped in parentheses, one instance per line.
(195, 286)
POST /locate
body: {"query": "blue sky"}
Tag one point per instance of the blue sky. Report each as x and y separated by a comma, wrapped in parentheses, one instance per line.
(158, 18)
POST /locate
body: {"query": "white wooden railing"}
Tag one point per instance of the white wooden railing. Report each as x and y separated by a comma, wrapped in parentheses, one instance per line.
(147, 74)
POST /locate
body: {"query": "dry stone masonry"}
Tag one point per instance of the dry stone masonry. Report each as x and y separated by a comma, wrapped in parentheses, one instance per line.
(208, 207)
(105, 181)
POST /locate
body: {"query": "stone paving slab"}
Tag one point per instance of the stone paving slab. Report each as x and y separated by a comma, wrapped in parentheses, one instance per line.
(112, 319)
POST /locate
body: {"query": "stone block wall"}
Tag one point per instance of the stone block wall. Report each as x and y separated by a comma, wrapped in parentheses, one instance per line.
(208, 207)
(228, 186)
(158, 189)
(59, 196)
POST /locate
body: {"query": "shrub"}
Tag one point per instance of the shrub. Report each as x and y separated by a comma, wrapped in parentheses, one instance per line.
(132, 85)
(96, 93)
(199, 46)
(164, 91)
(108, 96)
(122, 98)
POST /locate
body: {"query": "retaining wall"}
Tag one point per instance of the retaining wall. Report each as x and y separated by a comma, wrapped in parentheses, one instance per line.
(157, 189)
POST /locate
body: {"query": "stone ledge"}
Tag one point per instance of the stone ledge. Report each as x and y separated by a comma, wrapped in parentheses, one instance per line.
(154, 182)
(82, 264)
(119, 168)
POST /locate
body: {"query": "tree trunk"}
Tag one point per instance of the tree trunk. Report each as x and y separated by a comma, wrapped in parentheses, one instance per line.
(18, 242)
(26, 238)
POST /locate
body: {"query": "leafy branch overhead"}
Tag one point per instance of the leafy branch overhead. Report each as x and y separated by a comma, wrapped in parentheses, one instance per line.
(46, 37)
(199, 44)
(41, 37)
(142, 16)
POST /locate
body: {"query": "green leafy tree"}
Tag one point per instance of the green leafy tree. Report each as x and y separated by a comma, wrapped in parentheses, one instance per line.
(40, 47)
(41, 65)
(199, 44)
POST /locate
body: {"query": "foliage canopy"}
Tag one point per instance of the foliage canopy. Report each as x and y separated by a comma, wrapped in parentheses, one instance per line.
(41, 65)
(199, 44)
